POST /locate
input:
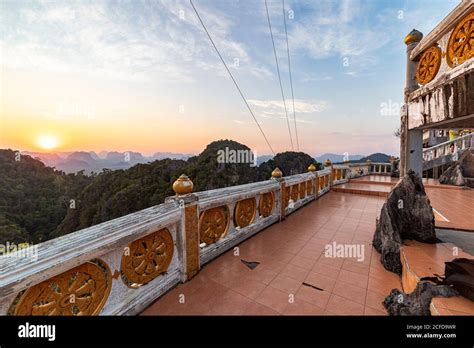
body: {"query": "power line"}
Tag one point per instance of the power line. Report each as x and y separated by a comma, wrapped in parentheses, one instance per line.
(279, 77)
(232, 77)
(289, 71)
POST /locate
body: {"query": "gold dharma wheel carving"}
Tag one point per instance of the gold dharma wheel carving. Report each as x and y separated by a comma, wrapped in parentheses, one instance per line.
(82, 290)
(287, 195)
(146, 258)
(295, 192)
(428, 65)
(266, 204)
(302, 190)
(213, 224)
(461, 42)
(245, 211)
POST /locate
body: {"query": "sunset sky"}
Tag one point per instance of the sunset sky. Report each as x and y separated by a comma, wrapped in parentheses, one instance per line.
(143, 76)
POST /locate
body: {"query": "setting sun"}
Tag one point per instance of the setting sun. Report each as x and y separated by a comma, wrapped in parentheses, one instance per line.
(47, 141)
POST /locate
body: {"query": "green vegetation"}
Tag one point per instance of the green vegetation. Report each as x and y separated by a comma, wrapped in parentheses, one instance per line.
(35, 199)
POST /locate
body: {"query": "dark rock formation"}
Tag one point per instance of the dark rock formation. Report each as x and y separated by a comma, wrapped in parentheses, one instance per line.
(453, 176)
(466, 160)
(407, 214)
(418, 302)
(460, 170)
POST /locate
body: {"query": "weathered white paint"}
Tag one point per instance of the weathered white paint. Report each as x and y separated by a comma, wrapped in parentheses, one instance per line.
(443, 28)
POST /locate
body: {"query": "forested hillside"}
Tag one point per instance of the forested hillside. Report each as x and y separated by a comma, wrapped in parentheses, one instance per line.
(120, 192)
(34, 199)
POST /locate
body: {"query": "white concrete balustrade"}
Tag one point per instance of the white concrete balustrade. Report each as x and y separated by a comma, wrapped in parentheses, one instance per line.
(446, 152)
(164, 245)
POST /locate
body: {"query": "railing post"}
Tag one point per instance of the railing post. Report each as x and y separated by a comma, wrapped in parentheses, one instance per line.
(186, 200)
(328, 164)
(392, 164)
(410, 140)
(346, 170)
(278, 176)
(411, 40)
(314, 180)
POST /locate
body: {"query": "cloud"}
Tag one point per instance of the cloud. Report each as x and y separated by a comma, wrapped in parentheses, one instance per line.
(314, 77)
(323, 32)
(339, 29)
(158, 40)
(275, 108)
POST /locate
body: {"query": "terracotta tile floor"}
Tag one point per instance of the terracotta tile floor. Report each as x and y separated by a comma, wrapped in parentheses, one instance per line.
(450, 202)
(454, 205)
(426, 260)
(374, 179)
(373, 189)
(384, 180)
(294, 276)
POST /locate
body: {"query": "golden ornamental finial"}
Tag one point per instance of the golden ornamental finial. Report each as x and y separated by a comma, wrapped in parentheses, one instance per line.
(413, 36)
(327, 163)
(183, 185)
(277, 173)
(311, 168)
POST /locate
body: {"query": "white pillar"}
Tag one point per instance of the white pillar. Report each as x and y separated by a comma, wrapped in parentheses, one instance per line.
(407, 158)
(414, 151)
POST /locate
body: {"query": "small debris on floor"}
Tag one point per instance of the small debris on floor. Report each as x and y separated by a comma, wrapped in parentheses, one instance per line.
(250, 264)
(312, 286)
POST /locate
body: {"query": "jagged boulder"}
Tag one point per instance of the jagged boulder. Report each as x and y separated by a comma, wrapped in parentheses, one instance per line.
(453, 176)
(460, 170)
(418, 302)
(407, 214)
(466, 160)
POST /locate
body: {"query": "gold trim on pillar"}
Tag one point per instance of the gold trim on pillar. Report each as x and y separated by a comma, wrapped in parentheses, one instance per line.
(302, 189)
(82, 290)
(147, 258)
(309, 187)
(295, 192)
(191, 225)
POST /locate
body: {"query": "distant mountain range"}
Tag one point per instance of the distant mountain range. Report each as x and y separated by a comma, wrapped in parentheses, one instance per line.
(335, 158)
(71, 162)
(90, 161)
(376, 158)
